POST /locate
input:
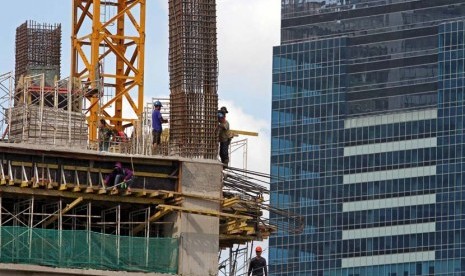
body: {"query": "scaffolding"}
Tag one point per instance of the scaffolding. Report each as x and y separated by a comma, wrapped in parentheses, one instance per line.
(141, 142)
(193, 66)
(43, 115)
(6, 97)
(235, 261)
(61, 195)
(61, 233)
(55, 209)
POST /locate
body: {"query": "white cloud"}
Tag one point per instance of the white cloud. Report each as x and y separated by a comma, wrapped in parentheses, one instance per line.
(163, 5)
(258, 148)
(247, 31)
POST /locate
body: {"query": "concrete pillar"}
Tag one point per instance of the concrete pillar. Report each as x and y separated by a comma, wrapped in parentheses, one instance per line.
(198, 234)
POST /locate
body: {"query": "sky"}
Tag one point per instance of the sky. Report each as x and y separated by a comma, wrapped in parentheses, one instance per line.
(247, 32)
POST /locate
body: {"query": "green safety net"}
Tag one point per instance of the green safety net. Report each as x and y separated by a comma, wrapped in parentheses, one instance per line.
(87, 250)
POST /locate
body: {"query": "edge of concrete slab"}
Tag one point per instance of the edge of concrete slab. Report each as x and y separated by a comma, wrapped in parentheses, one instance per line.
(37, 270)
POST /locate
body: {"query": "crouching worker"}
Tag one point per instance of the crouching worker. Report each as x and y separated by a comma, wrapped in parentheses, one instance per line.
(119, 178)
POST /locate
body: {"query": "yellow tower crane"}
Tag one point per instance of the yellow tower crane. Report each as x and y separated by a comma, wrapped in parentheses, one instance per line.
(108, 61)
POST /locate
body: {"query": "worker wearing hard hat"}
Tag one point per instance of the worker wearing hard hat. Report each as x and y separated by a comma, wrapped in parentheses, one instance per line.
(223, 110)
(157, 121)
(224, 137)
(257, 266)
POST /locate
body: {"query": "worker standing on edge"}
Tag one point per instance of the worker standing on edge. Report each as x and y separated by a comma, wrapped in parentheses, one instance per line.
(224, 136)
(157, 121)
(257, 266)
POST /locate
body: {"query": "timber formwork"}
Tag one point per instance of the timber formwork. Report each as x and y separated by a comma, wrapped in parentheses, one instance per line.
(38, 50)
(39, 114)
(73, 181)
(193, 66)
(50, 198)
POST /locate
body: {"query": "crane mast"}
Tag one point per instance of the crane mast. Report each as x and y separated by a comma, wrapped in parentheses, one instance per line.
(107, 63)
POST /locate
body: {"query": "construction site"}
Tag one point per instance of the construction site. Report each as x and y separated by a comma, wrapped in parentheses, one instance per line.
(185, 214)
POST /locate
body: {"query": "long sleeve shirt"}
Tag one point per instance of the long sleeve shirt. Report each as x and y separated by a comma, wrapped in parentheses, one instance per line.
(126, 173)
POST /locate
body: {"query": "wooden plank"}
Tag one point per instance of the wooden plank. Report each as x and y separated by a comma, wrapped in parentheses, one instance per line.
(203, 212)
(45, 165)
(105, 171)
(242, 132)
(141, 193)
(155, 175)
(70, 194)
(25, 164)
(230, 201)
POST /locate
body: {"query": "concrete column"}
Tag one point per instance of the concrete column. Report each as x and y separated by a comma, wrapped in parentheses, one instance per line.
(198, 234)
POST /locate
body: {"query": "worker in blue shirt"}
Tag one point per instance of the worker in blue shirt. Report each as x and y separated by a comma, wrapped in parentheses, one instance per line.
(157, 121)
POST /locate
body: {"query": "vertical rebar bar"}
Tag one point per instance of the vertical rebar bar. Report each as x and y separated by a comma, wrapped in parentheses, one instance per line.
(38, 50)
(193, 65)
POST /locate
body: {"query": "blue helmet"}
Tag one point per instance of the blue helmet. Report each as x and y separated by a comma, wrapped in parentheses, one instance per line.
(157, 103)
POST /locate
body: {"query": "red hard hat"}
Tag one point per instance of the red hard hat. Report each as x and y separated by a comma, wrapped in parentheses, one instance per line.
(258, 249)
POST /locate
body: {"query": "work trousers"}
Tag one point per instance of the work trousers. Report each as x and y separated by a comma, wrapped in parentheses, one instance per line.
(224, 151)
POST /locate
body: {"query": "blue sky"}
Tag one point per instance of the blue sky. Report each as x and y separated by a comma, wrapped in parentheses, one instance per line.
(247, 31)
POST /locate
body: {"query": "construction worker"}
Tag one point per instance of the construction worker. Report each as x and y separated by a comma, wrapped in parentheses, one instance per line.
(257, 266)
(119, 178)
(157, 121)
(224, 137)
(104, 134)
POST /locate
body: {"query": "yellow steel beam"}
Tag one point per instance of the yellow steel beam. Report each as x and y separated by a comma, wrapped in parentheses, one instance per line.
(141, 56)
(96, 38)
(233, 226)
(203, 212)
(120, 13)
(231, 201)
(242, 132)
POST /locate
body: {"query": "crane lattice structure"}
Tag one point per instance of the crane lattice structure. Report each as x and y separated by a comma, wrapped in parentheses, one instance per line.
(108, 61)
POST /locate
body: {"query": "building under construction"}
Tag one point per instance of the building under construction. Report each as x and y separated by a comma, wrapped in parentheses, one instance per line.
(57, 214)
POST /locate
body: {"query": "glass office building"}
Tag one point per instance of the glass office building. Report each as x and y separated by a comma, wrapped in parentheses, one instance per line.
(368, 137)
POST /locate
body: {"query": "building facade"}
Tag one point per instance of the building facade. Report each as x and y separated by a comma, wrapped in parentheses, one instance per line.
(368, 137)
